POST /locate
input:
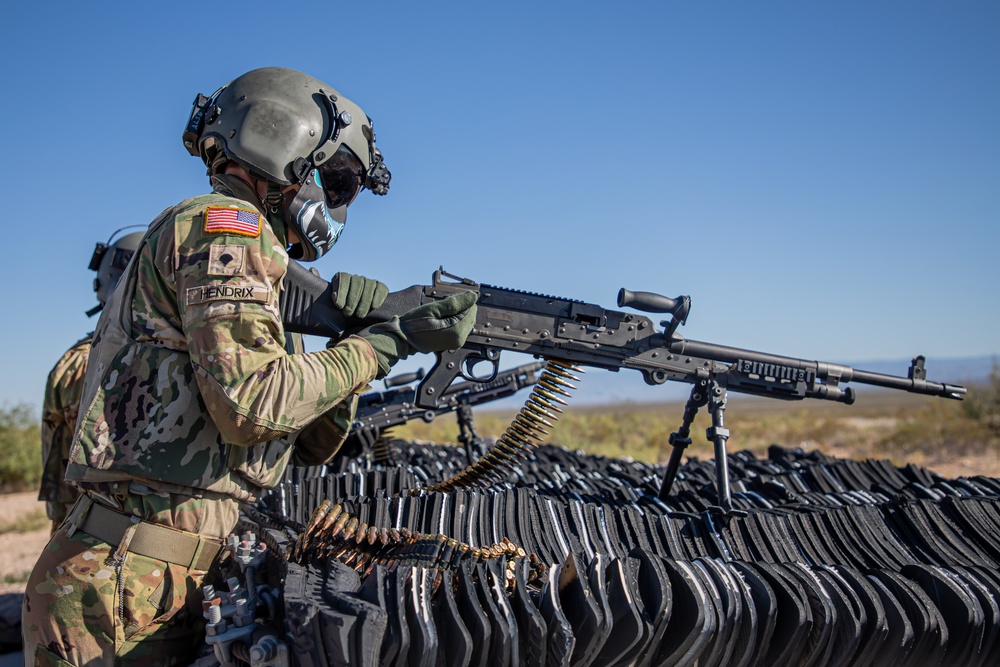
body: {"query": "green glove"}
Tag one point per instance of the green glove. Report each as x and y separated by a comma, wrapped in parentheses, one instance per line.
(388, 350)
(433, 327)
(356, 296)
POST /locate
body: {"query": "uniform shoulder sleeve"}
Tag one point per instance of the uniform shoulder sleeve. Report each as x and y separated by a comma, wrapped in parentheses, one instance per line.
(205, 224)
(228, 268)
(227, 273)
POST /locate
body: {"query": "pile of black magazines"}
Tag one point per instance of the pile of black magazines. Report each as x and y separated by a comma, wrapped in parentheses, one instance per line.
(827, 562)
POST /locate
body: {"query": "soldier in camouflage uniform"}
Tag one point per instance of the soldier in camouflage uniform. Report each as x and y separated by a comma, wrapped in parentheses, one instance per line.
(59, 409)
(65, 384)
(192, 403)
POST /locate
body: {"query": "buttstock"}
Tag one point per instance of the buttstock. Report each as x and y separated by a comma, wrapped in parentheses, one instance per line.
(307, 305)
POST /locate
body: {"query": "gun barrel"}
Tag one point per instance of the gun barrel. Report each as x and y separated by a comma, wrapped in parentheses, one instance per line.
(909, 384)
(823, 370)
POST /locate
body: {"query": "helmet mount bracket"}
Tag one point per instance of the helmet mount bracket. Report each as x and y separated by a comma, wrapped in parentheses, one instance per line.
(301, 168)
(95, 260)
(196, 123)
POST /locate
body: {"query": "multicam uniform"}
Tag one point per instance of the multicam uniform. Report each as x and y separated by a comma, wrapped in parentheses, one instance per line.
(62, 403)
(192, 405)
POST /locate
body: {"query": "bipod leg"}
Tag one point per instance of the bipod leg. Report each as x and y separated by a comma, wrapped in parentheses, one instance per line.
(467, 430)
(681, 438)
(719, 434)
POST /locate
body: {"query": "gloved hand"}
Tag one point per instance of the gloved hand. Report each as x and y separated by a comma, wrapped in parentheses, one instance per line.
(356, 296)
(433, 327)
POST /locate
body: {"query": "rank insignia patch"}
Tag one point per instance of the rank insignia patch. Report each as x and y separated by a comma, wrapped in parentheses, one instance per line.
(225, 260)
(220, 220)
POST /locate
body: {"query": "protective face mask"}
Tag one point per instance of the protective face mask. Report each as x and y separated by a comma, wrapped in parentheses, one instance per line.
(317, 225)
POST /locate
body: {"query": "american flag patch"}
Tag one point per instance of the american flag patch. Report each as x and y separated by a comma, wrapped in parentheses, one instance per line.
(232, 221)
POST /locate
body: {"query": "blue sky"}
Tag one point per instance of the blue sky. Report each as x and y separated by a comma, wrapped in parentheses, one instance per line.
(822, 178)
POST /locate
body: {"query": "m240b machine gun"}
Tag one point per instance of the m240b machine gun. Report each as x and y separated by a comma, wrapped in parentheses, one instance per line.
(570, 334)
(379, 411)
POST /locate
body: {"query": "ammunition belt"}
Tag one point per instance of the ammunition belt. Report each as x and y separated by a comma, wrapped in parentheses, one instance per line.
(333, 532)
(528, 430)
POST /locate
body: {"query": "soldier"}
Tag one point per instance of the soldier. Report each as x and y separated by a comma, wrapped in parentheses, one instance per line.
(65, 384)
(192, 404)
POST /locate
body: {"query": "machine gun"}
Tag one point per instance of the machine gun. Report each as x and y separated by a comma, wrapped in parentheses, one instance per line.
(381, 410)
(571, 334)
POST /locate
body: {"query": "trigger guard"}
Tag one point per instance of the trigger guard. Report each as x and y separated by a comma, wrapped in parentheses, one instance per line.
(468, 366)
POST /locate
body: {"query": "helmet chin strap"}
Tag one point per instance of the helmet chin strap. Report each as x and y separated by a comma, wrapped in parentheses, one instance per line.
(274, 200)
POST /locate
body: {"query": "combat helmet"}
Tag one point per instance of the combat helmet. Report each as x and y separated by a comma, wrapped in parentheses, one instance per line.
(109, 260)
(285, 127)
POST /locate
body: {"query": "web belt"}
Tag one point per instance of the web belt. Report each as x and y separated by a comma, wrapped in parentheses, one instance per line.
(147, 539)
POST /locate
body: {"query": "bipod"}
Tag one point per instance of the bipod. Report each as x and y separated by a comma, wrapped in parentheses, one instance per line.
(719, 434)
(712, 393)
(681, 438)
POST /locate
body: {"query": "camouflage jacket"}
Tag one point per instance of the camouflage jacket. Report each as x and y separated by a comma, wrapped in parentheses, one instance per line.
(191, 390)
(59, 410)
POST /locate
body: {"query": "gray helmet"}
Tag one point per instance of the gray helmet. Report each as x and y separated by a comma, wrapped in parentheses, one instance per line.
(286, 127)
(109, 260)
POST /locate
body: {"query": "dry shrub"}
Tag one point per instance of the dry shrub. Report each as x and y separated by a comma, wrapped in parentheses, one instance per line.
(20, 449)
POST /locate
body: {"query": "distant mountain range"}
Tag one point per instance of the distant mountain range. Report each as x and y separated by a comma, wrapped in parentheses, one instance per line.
(599, 387)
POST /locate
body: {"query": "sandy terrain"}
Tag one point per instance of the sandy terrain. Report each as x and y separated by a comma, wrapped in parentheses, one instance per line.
(18, 551)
